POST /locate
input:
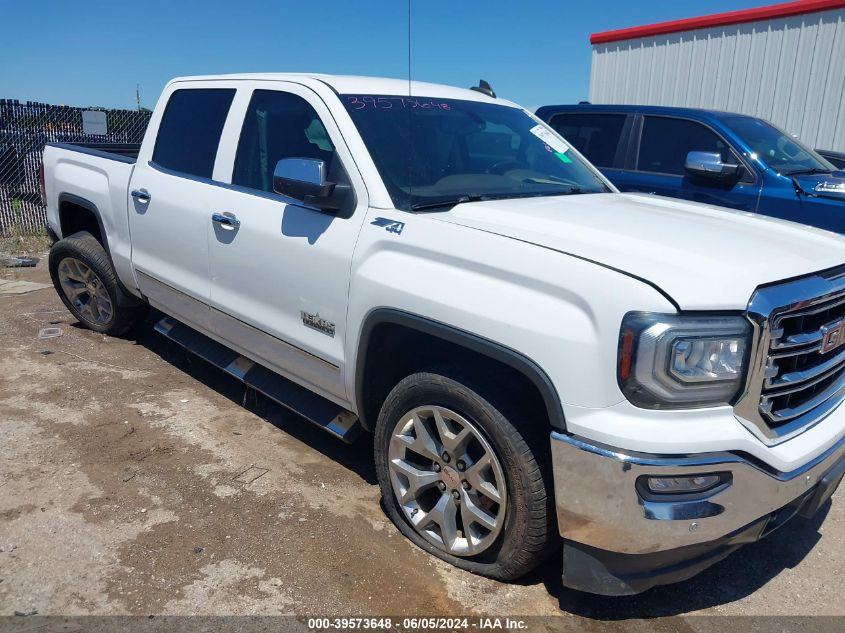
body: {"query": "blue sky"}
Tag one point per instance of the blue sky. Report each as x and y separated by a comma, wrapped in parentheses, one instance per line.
(93, 53)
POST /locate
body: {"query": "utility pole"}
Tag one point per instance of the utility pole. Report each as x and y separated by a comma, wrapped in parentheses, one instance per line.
(138, 96)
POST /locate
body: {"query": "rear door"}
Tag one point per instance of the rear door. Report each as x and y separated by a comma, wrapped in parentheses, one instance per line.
(601, 137)
(661, 153)
(172, 192)
(280, 276)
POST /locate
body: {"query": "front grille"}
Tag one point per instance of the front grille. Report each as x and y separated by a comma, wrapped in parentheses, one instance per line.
(792, 383)
(798, 376)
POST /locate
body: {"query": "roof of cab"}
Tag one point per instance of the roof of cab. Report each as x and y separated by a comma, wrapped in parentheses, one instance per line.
(694, 113)
(352, 84)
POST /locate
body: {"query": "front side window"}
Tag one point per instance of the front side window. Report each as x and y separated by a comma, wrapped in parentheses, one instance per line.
(783, 153)
(596, 136)
(433, 152)
(665, 143)
(190, 130)
(280, 125)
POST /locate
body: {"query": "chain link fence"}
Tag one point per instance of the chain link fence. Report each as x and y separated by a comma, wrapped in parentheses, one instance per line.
(25, 128)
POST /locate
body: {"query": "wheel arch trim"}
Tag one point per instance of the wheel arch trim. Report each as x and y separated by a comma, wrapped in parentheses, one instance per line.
(89, 206)
(462, 338)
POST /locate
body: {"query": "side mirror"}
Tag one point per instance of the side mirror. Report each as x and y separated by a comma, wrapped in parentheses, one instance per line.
(709, 165)
(305, 179)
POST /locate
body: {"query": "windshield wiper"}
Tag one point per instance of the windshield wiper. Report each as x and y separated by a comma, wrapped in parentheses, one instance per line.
(574, 189)
(806, 172)
(450, 202)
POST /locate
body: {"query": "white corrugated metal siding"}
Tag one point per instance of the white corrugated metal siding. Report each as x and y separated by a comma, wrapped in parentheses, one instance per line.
(790, 71)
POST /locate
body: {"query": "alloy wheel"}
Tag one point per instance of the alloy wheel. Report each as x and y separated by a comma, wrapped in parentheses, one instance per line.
(86, 291)
(448, 480)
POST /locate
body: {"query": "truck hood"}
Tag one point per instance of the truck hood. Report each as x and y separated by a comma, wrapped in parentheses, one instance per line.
(704, 257)
(830, 185)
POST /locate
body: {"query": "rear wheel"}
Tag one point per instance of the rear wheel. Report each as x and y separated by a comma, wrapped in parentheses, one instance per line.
(459, 480)
(87, 284)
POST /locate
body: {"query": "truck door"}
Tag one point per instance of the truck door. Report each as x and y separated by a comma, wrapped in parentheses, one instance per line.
(659, 169)
(280, 269)
(170, 201)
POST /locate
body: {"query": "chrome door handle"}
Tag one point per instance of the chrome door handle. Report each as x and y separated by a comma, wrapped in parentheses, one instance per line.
(141, 196)
(226, 219)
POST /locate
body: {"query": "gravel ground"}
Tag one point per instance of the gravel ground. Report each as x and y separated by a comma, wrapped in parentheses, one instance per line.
(136, 480)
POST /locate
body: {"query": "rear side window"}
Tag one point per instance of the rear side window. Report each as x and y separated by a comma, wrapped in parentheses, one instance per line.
(280, 125)
(596, 136)
(665, 143)
(190, 130)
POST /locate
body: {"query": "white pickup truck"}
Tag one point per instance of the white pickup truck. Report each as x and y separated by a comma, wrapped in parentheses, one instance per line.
(540, 358)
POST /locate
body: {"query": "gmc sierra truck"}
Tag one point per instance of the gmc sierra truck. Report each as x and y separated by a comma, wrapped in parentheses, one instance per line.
(541, 359)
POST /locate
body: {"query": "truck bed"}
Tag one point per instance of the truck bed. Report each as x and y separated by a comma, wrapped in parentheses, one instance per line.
(94, 177)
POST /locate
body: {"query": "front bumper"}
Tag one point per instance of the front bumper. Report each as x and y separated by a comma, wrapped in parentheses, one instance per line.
(619, 541)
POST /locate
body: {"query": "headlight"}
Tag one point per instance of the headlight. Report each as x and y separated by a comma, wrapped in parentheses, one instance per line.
(681, 362)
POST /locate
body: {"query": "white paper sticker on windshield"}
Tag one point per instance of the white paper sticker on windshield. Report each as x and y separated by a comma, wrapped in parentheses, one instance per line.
(549, 139)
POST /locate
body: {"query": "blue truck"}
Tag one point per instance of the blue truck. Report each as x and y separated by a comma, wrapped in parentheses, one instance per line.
(722, 158)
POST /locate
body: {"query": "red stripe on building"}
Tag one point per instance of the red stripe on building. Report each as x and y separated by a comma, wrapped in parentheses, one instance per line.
(717, 19)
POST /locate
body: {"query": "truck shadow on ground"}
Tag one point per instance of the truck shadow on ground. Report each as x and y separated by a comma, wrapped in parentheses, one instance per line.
(356, 457)
(739, 575)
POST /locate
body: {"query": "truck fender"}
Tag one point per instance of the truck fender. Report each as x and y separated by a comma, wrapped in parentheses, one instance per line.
(104, 240)
(89, 206)
(461, 338)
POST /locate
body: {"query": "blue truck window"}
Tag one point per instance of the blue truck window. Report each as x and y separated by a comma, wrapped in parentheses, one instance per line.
(594, 135)
(190, 130)
(665, 143)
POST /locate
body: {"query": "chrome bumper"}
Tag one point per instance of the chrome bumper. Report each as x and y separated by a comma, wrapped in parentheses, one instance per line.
(598, 504)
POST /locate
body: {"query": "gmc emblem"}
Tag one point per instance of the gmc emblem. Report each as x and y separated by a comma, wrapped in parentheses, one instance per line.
(833, 336)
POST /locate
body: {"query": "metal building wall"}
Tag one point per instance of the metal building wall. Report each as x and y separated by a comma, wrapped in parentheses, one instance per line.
(790, 71)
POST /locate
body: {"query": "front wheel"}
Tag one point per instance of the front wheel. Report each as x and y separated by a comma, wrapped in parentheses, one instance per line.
(459, 480)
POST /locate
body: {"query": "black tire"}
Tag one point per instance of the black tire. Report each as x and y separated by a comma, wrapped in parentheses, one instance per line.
(528, 534)
(84, 247)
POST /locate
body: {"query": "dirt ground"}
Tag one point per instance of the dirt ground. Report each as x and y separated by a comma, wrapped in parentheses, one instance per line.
(134, 479)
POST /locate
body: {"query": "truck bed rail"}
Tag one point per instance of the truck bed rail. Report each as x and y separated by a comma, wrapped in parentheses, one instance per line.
(124, 152)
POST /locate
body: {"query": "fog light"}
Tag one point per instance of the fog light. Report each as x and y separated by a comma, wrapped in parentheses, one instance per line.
(682, 485)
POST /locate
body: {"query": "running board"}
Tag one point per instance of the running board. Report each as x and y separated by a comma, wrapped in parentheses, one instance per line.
(322, 412)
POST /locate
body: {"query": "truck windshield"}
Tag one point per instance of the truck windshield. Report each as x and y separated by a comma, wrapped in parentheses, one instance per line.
(433, 153)
(783, 153)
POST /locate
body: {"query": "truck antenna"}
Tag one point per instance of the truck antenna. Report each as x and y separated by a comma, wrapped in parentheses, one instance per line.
(408, 112)
(484, 88)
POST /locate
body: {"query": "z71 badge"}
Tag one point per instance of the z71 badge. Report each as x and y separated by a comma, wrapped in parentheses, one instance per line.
(391, 226)
(830, 187)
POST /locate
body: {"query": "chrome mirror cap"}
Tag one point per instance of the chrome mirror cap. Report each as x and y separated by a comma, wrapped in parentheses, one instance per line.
(306, 170)
(302, 179)
(710, 165)
(704, 162)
